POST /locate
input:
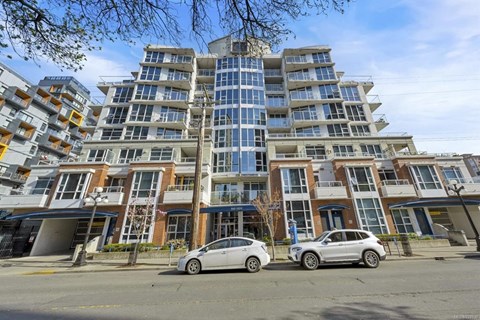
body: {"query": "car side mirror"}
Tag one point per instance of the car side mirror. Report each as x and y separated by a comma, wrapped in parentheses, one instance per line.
(328, 240)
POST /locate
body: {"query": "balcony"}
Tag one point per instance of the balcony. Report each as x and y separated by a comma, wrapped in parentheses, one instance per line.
(14, 177)
(232, 197)
(17, 98)
(471, 188)
(114, 194)
(290, 156)
(373, 102)
(302, 61)
(34, 198)
(431, 193)
(207, 73)
(179, 62)
(186, 165)
(274, 88)
(330, 190)
(55, 122)
(172, 120)
(278, 124)
(397, 188)
(178, 194)
(381, 122)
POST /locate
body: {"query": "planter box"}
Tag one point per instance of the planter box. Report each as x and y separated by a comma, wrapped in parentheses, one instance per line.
(154, 254)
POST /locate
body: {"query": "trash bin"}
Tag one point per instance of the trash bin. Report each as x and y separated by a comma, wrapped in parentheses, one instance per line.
(407, 249)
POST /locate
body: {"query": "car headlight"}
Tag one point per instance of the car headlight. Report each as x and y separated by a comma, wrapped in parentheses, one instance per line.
(296, 249)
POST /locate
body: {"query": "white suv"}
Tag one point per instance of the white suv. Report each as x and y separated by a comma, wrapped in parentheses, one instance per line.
(348, 245)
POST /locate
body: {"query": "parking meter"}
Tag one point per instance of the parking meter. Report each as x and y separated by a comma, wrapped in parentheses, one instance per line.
(293, 231)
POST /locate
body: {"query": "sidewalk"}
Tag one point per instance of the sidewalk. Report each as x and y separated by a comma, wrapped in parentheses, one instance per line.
(62, 263)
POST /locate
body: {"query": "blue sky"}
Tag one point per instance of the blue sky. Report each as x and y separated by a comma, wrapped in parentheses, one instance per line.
(424, 57)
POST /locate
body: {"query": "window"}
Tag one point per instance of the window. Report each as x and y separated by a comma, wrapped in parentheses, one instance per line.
(146, 92)
(387, 174)
(276, 101)
(361, 179)
(321, 57)
(144, 184)
(43, 185)
(402, 221)
(316, 152)
(355, 113)
(116, 115)
(71, 186)
(301, 213)
(252, 79)
(141, 112)
(226, 138)
(122, 94)
(128, 155)
(221, 244)
(294, 181)
(43, 127)
(130, 231)
(329, 91)
(338, 130)
(253, 138)
(426, 177)
(227, 79)
(371, 215)
(372, 150)
(254, 116)
(136, 133)
(239, 243)
(453, 173)
(302, 94)
(227, 63)
(254, 161)
(360, 131)
(252, 96)
(350, 94)
(150, 73)
(305, 113)
(33, 150)
(251, 63)
(161, 154)
(325, 73)
(163, 133)
(178, 227)
(252, 189)
(343, 151)
(175, 95)
(97, 155)
(154, 56)
(111, 134)
(222, 117)
(225, 162)
(308, 131)
(336, 237)
(333, 111)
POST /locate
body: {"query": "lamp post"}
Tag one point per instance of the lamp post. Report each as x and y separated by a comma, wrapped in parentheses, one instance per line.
(95, 198)
(456, 190)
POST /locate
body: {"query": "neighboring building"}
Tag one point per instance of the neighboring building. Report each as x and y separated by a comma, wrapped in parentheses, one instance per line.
(473, 164)
(39, 124)
(289, 122)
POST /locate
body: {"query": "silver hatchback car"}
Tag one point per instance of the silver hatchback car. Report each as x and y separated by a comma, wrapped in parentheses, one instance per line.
(339, 246)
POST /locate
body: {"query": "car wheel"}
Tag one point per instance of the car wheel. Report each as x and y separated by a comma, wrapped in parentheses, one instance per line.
(193, 266)
(253, 265)
(310, 261)
(371, 259)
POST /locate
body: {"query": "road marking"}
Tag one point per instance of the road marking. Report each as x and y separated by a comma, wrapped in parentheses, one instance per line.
(100, 306)
(46, 271)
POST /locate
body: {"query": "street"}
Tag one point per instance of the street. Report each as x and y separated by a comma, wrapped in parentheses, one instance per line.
(421, 289)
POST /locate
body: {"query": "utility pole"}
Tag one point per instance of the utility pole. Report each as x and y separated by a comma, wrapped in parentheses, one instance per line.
(197, 184)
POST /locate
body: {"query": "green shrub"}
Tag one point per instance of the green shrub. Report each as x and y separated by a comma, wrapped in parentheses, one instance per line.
(177, 244)
(391, 236)
(124, 247)
(267, 240)
(287, 241)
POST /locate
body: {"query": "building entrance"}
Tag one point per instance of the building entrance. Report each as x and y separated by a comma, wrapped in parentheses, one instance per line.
(240, 223)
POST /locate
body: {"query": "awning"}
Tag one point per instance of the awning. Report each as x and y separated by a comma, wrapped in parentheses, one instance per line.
(179, 211)
(434, 202)
(61, 214)
(234, 208)
(333, 206)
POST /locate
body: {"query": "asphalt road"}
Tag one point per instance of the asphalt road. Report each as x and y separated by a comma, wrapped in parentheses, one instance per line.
(430, 289)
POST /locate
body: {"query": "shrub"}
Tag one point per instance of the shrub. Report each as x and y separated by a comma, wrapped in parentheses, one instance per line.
(124, 247)
(391, 236)
(177, 244)
(267, 240)
(287, 241)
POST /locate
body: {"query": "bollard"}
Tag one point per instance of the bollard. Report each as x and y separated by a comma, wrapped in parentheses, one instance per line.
(407, 249)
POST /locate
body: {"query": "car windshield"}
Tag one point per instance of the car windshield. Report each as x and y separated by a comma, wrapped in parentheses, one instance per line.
(322, 236)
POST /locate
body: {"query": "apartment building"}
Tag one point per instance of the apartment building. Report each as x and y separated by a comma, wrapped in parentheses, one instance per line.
(286, 122)
(39, 124)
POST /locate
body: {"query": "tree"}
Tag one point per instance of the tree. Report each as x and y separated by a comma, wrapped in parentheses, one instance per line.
(269, 209)
(63, 30)
(140, 218)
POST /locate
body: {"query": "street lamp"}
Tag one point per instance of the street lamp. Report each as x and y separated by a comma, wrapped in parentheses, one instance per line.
(453, 189)
(95, 198)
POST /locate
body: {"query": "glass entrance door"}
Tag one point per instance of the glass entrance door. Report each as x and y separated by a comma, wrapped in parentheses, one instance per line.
(332, 219)
(422, 220)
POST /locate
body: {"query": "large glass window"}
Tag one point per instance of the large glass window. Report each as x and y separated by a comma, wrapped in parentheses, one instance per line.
(127, 155)
(402, 221)
(136, 133)
(355, 113)
(144, 184)
(254, 116)
(178, 227)
(306, 113)
(360, 131)
(71, 186)
(321, 57)
(154, 56)
(163, 133)
(300, 212)
(230, 96)
(253, 138)
(329, 91)
(146, 92)
(96, 155)
(122, 94)
(130, 231)
(227, 63)
(161, 154)
(333, 111)
(226, 138)
(361, 179)
(43, 185)
(227, 79)
(175, 94)
(116, 115)
(254, 161)
(338, 130)
(276, 101)
(222, 117)
(252, 79)
(150, 73)
(371, 215)
(251, 63)
(350, 93)
(316, 152)
(311, 131)
(343, 151)
(141, 112)
(294, 180)
(453, 173)
(372, 150)
(111, 134)
(325, 73)
(253, 96)
(302, 94)
(426, 177)
(225, 162)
